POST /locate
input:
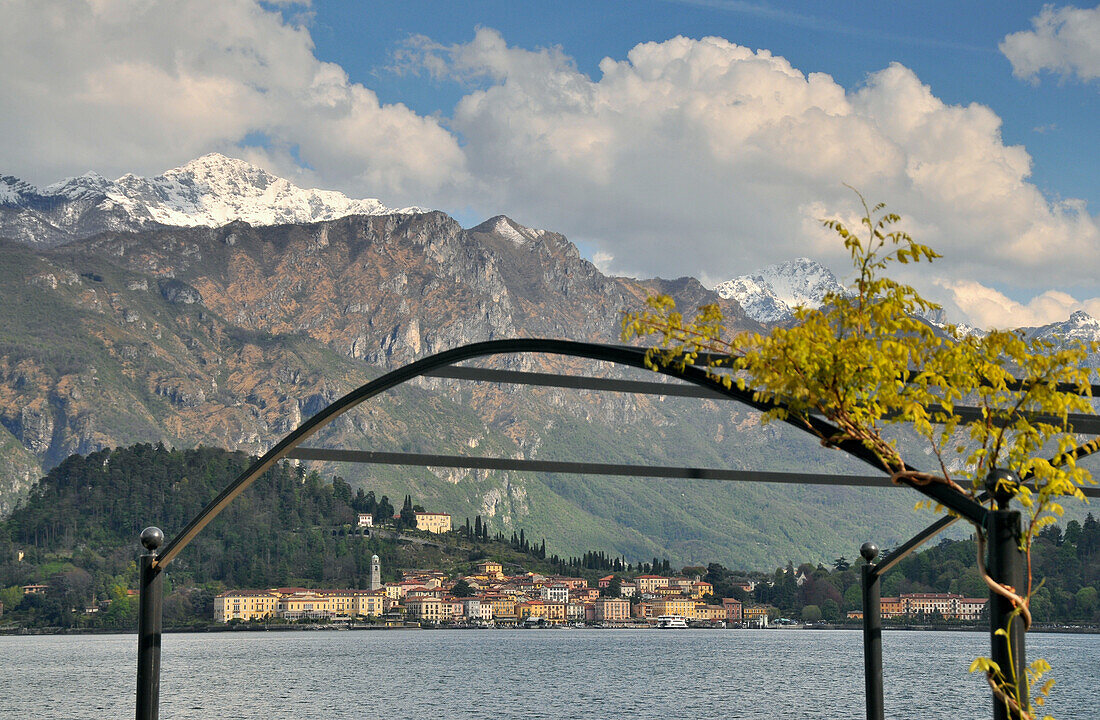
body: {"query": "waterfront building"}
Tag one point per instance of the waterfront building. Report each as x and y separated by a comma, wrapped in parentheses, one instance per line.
(971, 608)
(472, 609)
(424, 609)
(433, 522)
(948, 605)
(611, 610)
(368, 603)
(628, 589)
(891, 607)
(755, 615)
(684, 607)
(504, 608)
(575, 611)
(710, 613)
(733, 609)
(244, 605)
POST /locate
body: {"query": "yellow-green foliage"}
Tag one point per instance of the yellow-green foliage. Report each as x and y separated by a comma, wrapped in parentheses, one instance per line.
(865, 362)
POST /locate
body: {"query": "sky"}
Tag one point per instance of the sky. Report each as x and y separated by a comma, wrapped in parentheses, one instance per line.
(666, 138)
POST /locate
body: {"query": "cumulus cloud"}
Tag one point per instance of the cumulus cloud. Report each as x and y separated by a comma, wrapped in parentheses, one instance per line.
(686, 157)
(989, 308)
(1063, 40)
(737, 155)
(127, 86)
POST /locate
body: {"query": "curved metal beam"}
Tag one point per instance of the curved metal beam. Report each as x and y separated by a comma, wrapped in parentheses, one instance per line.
(618, 354)
(1082, 451)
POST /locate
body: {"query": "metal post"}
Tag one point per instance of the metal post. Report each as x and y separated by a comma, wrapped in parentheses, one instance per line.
(150, 594)
(1005, 563)
(872, 633)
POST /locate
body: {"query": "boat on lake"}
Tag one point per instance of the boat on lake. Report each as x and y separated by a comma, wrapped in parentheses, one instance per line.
(671, 621)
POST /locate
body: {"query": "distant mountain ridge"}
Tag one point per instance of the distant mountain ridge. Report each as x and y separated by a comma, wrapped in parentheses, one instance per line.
(770, 295)
(159, 319)
(210, 191)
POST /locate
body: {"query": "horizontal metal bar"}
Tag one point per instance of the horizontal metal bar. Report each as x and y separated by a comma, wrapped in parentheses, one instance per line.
(577, 382)
(583, 468)
(376, 457)
(1080, 423)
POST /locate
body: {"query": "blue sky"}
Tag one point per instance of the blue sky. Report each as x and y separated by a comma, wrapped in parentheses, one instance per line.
(704, 138)
(952, 46)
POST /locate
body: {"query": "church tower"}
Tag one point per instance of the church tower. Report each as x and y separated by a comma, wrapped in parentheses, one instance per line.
(375, 572)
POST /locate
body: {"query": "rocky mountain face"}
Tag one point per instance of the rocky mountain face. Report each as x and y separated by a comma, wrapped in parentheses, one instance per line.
(210, 191)
(770, 295)
(171, 316)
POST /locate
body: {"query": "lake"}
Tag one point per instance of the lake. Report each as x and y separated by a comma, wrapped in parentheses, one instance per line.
(514, 674)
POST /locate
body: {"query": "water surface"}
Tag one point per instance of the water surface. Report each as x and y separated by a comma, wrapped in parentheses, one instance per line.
(516, 674)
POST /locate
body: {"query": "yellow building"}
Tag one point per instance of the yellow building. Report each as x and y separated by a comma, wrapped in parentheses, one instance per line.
(244, 605)
(425, 609)
(710, 613)
(298, 603)
(684, 607)
(369, 604)
(649, 583)
(504, 608)
(755, 614)
(433, 522)
(490, 569)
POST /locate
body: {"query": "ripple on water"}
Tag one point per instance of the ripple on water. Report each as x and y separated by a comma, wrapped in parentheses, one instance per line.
(780, 675)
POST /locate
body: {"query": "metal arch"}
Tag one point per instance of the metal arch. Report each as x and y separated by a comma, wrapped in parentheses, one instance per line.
(618, 354)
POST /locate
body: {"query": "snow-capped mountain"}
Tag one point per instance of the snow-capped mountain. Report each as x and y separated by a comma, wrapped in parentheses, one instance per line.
(771, 294)
(1079, 327)
(212, 190)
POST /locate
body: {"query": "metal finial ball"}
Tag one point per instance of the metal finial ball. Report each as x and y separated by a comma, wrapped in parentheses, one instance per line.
(1002, 484)
(152, 538)
(869, 551)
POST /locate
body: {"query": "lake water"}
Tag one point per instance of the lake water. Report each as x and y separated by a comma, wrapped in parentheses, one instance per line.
(502, 674)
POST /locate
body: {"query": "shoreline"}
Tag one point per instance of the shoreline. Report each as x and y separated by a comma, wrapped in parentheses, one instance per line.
(342, 627)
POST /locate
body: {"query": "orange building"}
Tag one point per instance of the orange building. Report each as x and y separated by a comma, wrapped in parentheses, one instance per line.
(611, 609)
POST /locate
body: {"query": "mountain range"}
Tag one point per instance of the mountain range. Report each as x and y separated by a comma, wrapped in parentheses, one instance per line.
(219, 305)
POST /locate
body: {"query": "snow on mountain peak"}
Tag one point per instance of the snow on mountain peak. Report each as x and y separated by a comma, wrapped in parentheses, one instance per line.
(508, 228)
(771, 294)
(211, 190)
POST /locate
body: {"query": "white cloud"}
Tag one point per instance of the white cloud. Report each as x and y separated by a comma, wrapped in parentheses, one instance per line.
(1063, 40)
(695, 157)
(987, 308)
(139, 86)
(735, 154)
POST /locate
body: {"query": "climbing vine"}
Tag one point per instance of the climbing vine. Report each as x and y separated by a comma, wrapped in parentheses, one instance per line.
(866, 362)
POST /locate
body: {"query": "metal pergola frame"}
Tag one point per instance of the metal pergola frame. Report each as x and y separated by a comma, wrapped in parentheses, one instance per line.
(697, 385)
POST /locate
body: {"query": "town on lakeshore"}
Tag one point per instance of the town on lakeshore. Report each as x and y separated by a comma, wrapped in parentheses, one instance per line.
(489, 597)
